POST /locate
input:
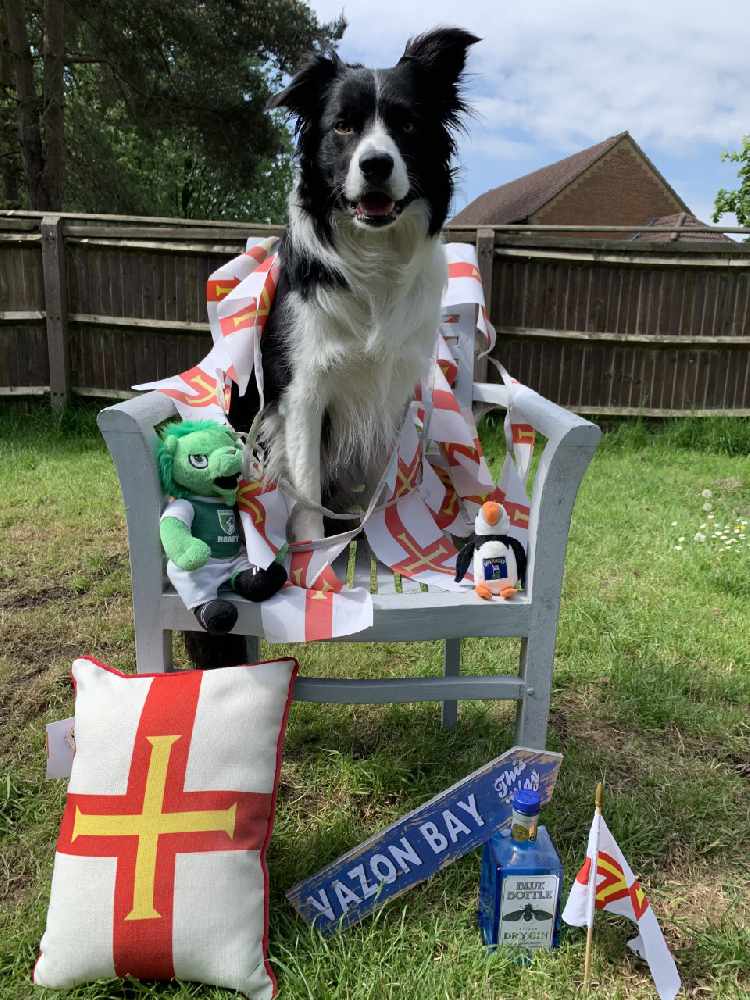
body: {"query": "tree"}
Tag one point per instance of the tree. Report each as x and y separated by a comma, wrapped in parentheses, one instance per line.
(116, 167)
(38, 115)
(10, 162)
(161, 105)
(736, 201)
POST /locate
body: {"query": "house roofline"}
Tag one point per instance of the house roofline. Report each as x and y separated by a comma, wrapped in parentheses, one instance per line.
(619, 138)
(616, 140)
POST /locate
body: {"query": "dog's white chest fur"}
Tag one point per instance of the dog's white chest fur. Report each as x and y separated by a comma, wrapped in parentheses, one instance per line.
(358, 353)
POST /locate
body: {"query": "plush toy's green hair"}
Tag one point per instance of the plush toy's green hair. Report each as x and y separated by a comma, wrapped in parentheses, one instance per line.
(179, 428)
(165, 455)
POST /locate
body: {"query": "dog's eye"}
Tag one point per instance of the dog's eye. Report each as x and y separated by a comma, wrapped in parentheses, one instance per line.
(343, 128)
(408, 127)
(198, 461)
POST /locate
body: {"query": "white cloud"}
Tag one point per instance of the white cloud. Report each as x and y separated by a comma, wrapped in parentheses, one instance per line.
(673, 72)
(492, 144)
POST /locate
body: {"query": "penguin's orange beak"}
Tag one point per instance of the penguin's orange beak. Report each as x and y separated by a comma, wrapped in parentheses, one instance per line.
(491, 512)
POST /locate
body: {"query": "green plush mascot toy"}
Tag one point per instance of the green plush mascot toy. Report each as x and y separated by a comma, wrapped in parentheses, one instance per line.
(199, 465)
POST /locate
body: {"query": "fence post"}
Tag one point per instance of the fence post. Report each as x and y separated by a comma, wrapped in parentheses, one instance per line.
(486, 260)
(56, 306)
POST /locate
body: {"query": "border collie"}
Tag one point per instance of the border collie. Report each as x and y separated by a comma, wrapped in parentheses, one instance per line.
(353, 326)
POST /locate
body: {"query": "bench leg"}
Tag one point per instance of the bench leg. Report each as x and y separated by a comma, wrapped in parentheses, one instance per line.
(532, 714)
(153, 654)
(252, 645)
(452, 668)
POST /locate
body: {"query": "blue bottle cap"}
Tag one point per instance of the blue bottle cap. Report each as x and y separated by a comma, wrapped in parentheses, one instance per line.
(526, 802)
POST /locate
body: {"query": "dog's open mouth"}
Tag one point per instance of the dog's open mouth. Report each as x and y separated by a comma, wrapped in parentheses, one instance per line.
(376, 208)
(227, 482)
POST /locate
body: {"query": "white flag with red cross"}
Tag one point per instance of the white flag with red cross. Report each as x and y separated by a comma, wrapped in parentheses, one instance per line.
(322, 610)
(511, 493)
(606, 882)
(242, 313)
(238, 300)
(404, 536)
(264, 513)
(440, 495)
(314, 603)
(200, 393)
(445, 359)
(229, 276)
(465, 286)
(403, 533)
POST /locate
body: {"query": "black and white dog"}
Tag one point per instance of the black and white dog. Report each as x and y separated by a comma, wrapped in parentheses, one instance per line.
(353, 325)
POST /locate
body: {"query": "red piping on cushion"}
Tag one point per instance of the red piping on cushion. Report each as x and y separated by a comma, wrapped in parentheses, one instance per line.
(272, 817)
(130, 676)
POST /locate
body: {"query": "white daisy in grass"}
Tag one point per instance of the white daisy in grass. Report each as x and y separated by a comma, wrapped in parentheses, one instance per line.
(718, 531)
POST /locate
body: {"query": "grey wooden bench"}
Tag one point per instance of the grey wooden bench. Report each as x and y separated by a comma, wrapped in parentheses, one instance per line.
(403, 610)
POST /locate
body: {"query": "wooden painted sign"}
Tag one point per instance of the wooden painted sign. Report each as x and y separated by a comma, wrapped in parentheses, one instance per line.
(419, 844)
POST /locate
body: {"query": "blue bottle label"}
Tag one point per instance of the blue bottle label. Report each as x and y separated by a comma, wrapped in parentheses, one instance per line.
(495, 568)
(527, 910)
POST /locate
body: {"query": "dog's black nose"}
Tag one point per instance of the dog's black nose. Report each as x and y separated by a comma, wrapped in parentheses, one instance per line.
(376, 167)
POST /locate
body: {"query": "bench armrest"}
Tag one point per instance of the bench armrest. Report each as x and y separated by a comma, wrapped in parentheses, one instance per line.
(546, 417)
(138, 415)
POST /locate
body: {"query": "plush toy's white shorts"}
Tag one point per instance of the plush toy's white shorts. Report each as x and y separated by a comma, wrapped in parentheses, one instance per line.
(197, 586)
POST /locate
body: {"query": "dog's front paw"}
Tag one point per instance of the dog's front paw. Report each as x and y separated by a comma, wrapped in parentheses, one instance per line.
(306, 525)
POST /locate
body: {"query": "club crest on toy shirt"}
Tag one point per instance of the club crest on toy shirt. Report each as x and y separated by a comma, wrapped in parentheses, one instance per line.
(227, 521)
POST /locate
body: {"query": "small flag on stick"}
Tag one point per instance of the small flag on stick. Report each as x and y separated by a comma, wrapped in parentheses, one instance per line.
(606, 882)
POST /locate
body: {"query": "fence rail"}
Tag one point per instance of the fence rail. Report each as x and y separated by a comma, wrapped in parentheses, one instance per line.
(90, 305)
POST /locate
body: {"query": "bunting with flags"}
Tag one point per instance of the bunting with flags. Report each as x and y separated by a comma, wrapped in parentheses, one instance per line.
(431, 488)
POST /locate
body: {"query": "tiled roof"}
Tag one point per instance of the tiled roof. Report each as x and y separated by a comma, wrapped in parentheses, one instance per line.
(685, 221)
(518, 199)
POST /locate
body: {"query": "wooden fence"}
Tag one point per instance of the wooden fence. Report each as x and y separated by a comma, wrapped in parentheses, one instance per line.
(91, 305)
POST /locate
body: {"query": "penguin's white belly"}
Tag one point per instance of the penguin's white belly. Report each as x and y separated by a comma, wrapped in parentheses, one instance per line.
(495, 567)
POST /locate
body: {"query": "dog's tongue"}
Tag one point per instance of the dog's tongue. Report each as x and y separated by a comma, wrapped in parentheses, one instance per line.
(375, 203)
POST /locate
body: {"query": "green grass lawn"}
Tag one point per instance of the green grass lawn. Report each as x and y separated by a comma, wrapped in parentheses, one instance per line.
(651, 693)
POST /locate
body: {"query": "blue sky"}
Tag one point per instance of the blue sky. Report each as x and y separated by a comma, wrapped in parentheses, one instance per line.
(550, 78)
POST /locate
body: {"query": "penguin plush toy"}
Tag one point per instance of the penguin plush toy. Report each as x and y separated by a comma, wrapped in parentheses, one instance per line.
(499, 559)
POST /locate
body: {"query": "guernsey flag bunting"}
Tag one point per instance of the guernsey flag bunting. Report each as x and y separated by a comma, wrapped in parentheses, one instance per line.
(430, 489)
(606, 882)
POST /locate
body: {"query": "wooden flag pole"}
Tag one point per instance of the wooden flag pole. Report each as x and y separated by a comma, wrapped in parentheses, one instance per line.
(599, 801)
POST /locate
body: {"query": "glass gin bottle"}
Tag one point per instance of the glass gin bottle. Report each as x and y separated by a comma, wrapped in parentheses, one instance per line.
(521, 881)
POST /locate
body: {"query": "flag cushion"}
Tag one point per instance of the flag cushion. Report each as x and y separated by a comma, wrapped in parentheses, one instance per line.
(160, 867)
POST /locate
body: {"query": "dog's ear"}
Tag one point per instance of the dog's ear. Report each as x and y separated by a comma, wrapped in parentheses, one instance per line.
(441, 53)
(303, 94)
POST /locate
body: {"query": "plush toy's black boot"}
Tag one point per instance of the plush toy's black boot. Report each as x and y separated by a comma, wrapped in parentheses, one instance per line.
(260, 584)
(217, 617)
